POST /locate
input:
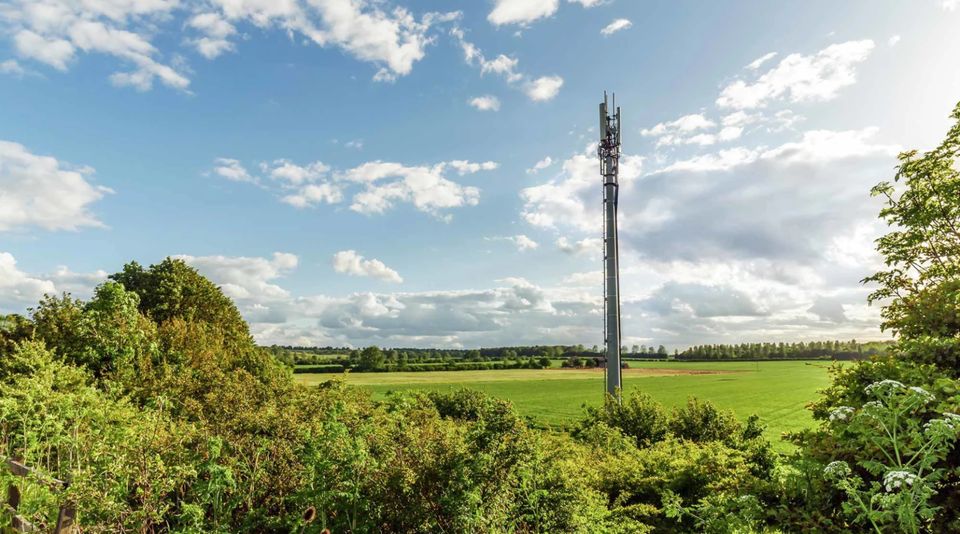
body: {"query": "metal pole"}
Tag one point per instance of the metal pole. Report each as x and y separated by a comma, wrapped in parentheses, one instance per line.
(609, 152)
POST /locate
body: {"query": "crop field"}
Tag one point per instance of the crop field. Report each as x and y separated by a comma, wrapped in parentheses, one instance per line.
(777, 391)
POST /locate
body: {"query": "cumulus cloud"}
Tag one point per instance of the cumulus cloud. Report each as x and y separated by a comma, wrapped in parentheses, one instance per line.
(540, 165)
(800, 78)
(41, 191)
(54, 32)
(232, 169)
(216, 33)
(616, 26)
(570, 200)
(485, 103)
(521, 11)
(524, 12)
(537, 89)
(246, 278)
(17, 287)
(20, 290)
(375, 186)
(349, 262)
(543, 88)
(684, 130)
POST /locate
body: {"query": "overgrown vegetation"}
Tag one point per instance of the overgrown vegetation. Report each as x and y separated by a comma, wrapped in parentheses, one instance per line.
(154, 402)
(165, 416)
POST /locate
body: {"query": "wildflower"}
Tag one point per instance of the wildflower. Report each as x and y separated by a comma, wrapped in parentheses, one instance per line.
(925, 395)
(895, 480)
(841, 414)
(837, 469)
(934, 426)
(883, 386)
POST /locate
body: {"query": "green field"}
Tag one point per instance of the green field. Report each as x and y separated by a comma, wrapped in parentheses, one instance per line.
(777, 391)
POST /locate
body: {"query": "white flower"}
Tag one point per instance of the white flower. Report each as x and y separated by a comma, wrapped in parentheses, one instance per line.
(923, 394)
(934, 425)
(952, 417)
(841, 414)
(837, 469)
(894, 480)
(883, 386)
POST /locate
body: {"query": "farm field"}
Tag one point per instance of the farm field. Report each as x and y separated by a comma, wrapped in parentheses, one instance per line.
(777, 391)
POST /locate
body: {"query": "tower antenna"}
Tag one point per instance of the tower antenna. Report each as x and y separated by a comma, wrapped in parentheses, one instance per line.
(609, 152)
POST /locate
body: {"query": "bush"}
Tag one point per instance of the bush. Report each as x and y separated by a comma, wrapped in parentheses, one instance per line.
(639, 417)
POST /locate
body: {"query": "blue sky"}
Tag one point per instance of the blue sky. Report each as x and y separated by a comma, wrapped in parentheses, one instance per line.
(420, 173)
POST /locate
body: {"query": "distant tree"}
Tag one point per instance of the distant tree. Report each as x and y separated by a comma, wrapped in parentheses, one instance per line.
(371, 358)
(661, 351)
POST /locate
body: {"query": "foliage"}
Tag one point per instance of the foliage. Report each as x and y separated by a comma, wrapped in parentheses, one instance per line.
(885, 456)
(902, 459)
(639, 417)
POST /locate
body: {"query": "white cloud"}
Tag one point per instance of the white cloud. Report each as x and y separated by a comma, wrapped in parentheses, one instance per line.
(349, 262)
(41, 191)
(469, 167)
(949, 5)
(893, 40)
(538, 89)
(356, 144)
(587, 245)
(741, 118)
(757, 63)
(684, 125)
(800, 78)
(543, 88)
(589, 3)
(521, 11)
(571, 200)
(485, 103)
(232, 169)
(20, 290)
(246, 278)
(424, 187)
(12, 68)
(522, 242)
(313, 194)
(293, 174)
(53, 52)
(376, 186)
(217, 32)
(18, 287)
(540, 165)
(52, 32)
(615, 26)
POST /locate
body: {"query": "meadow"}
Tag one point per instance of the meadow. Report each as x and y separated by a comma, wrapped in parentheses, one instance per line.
(777, 391)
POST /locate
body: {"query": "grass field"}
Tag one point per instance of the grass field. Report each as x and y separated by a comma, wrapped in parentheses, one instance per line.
(777, 391)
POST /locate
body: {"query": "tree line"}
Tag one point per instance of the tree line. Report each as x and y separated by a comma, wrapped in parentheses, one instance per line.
(375, 359)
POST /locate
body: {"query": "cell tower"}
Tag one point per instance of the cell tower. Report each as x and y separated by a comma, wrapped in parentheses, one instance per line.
(609, 152)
